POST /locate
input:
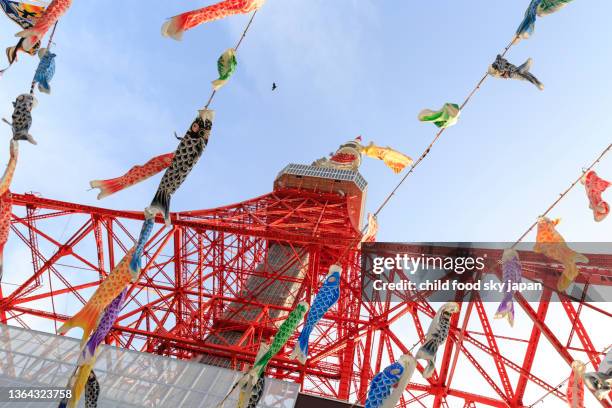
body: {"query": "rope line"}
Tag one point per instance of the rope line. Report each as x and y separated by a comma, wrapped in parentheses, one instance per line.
(426, 153)
(421, 158)
(563, 382)
(436, 137)
(548, 210)
(244, 33)
(563, 194)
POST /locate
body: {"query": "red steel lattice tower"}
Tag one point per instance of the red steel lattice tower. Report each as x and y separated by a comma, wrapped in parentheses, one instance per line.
(218, 282)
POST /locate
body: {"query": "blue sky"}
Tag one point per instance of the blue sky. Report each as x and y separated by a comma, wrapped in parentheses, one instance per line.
(344, 68)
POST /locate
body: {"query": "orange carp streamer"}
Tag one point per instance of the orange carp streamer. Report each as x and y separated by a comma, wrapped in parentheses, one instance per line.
(6, 201)
(177, 25)
(551, 244)
(87, 318)
(134, 176)
(575, 386)
(34, 35)
(595, 186)
(7, 177)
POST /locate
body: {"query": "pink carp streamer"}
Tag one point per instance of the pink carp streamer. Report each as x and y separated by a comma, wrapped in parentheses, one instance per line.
(34, 35)
(595, 186)
(6, 202)
(177, 25)
(575, 386)
(134, 176)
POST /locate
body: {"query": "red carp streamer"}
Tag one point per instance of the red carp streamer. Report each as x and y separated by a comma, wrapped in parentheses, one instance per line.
(34, 35)
(595, 186)
(134, 176)
(177, 25)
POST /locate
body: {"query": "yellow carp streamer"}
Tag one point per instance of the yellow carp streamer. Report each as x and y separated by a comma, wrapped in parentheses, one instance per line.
(551, 244)
(393, 159)
(82, 376)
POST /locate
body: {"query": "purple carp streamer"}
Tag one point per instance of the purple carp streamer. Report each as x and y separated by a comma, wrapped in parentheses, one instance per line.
(511, 274)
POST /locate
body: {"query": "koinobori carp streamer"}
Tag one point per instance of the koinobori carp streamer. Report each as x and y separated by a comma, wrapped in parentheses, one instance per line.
(52, 14)
(250, 393)
(537, 8)
(409, 364)
(6, 201)
(107, 320)
(527, 26)
(9, 172)
(382, 384)
(286, 329)
(226, 66)
(550, 243)
(89, 354)
(81, 378)
(575, 385)
(595, 186)
(600, 382)
(134, 176)
(177, 25)
(501, 68)
(87, 318)
(92, 391)
(6, 213)
(22, 117)
(45, 70)
(266, 352)
(443, 118)
(436, 336)
(326, 297)
(393, 159)
(372, 231)
(187, 154)
(511, 274)
(25, 15)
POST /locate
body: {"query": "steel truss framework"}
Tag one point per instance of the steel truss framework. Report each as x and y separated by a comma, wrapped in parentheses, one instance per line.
(206, 276)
